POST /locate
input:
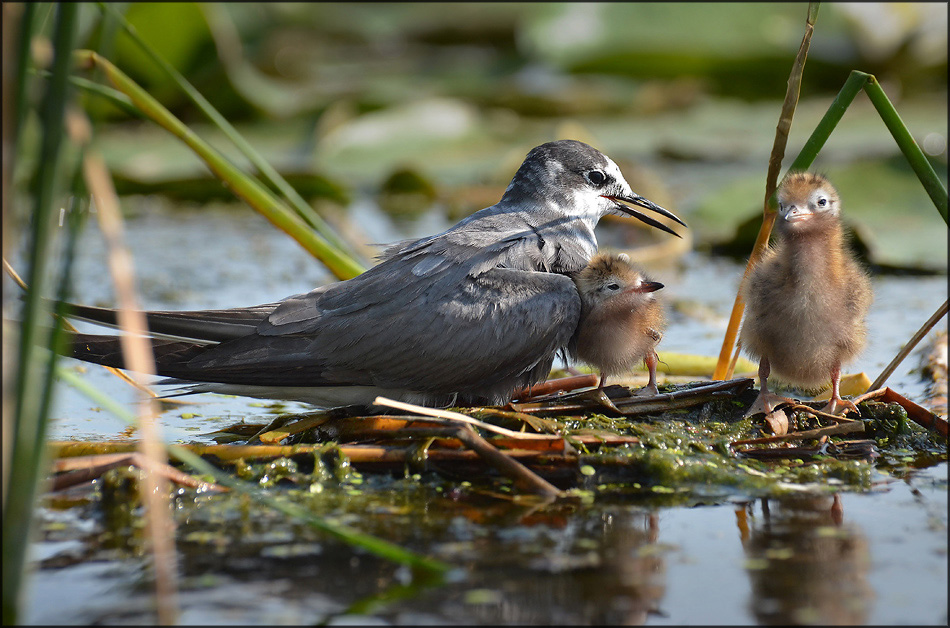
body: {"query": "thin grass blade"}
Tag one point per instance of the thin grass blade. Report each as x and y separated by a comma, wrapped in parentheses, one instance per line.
(270, 174)
(242, 184)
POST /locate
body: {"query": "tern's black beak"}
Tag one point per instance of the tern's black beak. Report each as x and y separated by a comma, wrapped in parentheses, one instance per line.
(646, 204)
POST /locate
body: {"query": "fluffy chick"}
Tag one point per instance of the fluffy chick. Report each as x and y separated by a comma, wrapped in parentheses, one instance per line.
(807, 298)
(621, 318)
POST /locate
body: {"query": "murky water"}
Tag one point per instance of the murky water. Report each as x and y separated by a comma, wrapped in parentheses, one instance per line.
(877, 557)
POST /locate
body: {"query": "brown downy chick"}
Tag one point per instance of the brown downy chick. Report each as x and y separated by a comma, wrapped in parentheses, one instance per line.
(807, 298)
(621, 319)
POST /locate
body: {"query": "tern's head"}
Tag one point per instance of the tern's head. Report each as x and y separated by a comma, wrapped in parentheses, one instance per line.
(577, 179)
(807, 202)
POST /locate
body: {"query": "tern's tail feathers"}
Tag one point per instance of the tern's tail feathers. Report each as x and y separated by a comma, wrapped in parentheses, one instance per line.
(182, 359)
(201, 326)
(267, 381)
(170, 355)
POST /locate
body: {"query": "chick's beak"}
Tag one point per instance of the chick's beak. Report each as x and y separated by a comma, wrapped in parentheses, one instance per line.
(634, 199)
(645, 286)
(797, 213)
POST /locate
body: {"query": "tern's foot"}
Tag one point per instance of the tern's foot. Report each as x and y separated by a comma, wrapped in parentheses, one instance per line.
(840, 406)
(765, 403)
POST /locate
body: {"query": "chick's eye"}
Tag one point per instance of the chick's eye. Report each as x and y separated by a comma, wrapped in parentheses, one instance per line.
(613, 286)
(822, 202)
(596, 177)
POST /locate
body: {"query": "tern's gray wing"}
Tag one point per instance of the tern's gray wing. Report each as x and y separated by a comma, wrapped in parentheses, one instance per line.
(499, 236)
(480, 336)
(413, 275)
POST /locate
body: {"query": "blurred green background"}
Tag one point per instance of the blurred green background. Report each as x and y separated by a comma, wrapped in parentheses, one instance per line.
(431, 107)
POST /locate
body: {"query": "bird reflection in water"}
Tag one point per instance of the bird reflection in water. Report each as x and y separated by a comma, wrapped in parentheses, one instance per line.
(807, 564)
(601, 570)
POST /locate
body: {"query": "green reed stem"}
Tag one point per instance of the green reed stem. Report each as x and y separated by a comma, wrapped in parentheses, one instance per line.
(829, 121)
(32, 394)
(27, 23)
(915, 157)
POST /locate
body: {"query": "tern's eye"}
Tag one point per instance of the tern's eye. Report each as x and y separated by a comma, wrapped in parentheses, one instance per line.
(596, 177)
(822, 202)
(613, 287)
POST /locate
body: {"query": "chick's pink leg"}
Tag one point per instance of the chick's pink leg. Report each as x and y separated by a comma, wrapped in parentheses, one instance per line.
(837, 405)
(767, 401)
(651, 360)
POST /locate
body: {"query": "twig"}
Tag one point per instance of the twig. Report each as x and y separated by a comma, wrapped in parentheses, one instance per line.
(918, 414)
(732, 364)
(452, 416)
(555, 385)
(831, 430)
(546, 445)
(632, 405)
(819, 413)
(13, 275)
(536, 423)
(138, 356)
(73, 471)
(870, 396)
(395, 457)
(771, 182)
(907, 348)
(523, 476)
(845, 449)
